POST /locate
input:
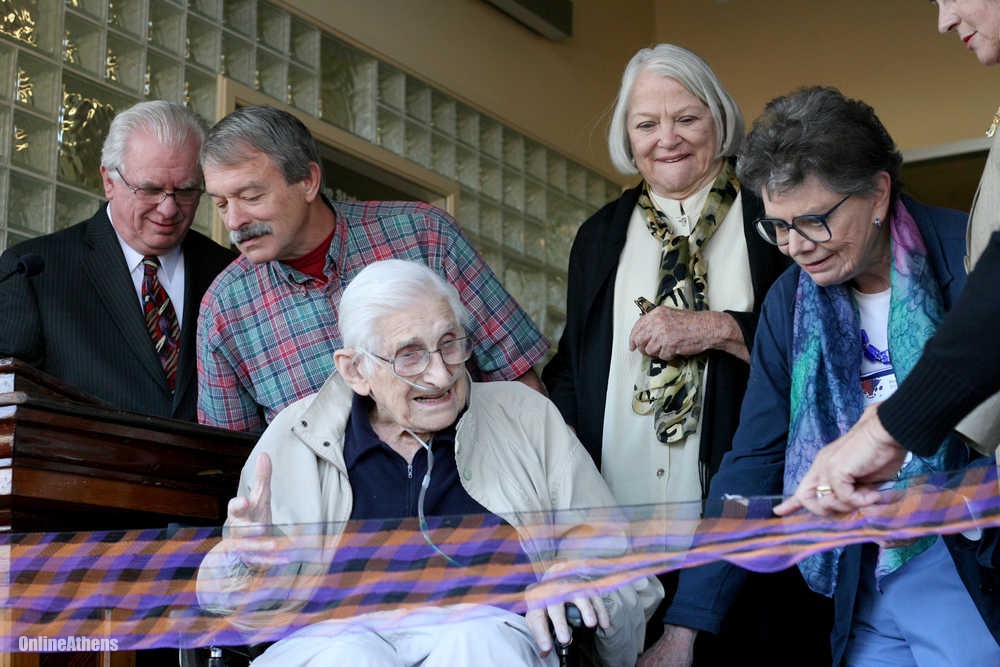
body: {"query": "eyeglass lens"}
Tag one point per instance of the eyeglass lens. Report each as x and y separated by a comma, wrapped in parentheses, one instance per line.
(812, 227)
(414, 362)
(158, 195)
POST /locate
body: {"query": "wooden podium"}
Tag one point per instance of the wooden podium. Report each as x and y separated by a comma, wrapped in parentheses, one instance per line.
(69, 462)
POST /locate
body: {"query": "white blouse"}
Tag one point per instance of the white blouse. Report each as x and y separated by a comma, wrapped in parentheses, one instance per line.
(638, 467)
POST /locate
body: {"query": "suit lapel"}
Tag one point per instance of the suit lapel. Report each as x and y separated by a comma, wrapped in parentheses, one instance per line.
(104, 266)
(195, 283)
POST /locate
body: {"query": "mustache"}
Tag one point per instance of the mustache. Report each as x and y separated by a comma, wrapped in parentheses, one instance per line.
(251, 231)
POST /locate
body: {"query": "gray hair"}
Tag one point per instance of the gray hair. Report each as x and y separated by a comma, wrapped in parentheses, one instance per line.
(262, 129)
(171, 124)
(698, 78)
(817, 131)
(386, 287)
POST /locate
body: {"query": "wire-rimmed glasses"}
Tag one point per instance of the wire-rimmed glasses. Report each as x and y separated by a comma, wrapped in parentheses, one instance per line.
(156, 196)
(410, 362)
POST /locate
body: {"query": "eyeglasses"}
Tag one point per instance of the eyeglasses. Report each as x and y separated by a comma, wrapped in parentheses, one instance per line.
(812, 227)
(156, 196)
(410, 362)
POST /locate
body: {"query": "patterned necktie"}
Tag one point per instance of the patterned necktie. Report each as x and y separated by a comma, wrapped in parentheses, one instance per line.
(161, 320)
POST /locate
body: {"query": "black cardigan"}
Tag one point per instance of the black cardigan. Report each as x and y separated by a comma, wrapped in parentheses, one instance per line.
(577, 376)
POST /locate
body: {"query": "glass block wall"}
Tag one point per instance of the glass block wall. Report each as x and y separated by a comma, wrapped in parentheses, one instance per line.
(66, 66)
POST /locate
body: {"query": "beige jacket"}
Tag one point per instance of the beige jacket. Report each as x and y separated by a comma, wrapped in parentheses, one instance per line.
(515, 456)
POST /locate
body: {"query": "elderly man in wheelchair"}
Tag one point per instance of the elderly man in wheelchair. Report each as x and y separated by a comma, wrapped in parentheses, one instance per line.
(400, 405)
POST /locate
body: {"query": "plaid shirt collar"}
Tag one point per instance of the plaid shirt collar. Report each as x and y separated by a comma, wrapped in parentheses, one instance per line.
(335, 255)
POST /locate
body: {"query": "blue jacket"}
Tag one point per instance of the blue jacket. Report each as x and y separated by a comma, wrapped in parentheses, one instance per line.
(755, 465)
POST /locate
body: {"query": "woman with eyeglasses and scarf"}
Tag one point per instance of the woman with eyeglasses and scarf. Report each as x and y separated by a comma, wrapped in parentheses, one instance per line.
(951, 377)
(875, 273)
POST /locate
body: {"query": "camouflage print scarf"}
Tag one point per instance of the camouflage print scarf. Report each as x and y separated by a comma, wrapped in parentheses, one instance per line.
(669, 389)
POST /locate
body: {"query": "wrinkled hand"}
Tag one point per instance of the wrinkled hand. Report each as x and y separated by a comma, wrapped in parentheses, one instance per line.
(851, 466)
(674, 649)
(248, 521)
(592, 609)
(668, 333)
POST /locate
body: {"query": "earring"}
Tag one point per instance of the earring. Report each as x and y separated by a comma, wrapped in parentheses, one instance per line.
(878, 221)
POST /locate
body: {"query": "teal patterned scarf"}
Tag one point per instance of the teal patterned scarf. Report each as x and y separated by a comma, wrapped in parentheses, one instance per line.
(826, 396)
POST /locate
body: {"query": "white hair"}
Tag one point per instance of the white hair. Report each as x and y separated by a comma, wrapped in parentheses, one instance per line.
(171, 124)
(386, 287)
(698, 78)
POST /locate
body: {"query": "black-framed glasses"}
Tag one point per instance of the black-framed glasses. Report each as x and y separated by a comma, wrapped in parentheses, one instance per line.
(156, 196)
(410, 362)
(811, 227)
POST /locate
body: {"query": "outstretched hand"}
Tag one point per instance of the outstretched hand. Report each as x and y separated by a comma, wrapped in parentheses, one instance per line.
(255, 509)
(248, 521)
(845, 474)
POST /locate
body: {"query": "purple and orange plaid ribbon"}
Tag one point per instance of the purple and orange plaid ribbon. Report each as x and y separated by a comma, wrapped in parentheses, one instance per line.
(139, 587)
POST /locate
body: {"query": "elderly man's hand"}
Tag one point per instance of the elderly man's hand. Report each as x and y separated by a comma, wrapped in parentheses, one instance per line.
(667, 333)
(248, 520)
(592, 609)
(674, 649)
(839, 480)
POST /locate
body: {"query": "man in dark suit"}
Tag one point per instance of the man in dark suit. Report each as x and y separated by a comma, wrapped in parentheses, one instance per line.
(113, 311)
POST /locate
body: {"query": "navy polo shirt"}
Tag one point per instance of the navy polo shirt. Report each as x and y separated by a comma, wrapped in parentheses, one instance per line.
(385, 487)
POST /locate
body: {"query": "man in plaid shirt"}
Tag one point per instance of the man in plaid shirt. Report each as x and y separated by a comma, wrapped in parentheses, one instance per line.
(268, 324)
